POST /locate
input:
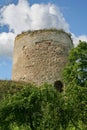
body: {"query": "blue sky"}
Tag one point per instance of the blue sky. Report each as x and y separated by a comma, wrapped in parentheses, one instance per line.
(67, 14)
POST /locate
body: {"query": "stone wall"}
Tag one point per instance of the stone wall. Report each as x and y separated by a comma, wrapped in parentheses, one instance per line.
(40, 56)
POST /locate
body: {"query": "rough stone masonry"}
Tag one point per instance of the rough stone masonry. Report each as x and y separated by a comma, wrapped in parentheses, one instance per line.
(40, 56)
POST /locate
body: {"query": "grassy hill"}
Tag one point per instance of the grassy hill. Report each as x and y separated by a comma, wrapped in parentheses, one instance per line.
(27, 107)
(10, 87)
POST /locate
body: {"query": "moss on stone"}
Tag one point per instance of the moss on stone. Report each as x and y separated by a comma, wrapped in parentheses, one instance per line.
(40, 31)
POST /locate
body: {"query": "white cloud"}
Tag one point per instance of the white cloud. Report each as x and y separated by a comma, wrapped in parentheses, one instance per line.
(23, 17)
(6, 44)
(76, 39)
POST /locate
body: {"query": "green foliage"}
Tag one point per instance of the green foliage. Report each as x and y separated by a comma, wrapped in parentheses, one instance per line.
(75, 78)
(76, 70)
(35, 108)
(10, 87)
(76, 103)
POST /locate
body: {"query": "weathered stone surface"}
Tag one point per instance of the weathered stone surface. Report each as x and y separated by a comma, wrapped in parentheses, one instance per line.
(40, 56)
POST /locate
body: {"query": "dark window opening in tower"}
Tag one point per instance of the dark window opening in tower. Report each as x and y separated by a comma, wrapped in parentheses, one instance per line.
(58, 85)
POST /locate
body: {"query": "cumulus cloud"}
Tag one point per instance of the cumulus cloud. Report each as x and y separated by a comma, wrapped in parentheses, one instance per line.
(76, 39)
(23, 17)
(6, 44)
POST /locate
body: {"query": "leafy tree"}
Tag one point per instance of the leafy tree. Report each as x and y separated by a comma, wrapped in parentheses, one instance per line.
(33, 108)
(75, 78)
(76, 70)
(22, 108)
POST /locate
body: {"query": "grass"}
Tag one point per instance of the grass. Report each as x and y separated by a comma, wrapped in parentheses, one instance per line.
(10, 87)
(32, 32)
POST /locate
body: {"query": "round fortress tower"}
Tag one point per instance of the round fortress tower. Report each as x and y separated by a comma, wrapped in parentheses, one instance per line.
(40, 56)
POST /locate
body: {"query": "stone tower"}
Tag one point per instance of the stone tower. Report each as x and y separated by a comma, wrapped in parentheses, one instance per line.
(40, 56)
